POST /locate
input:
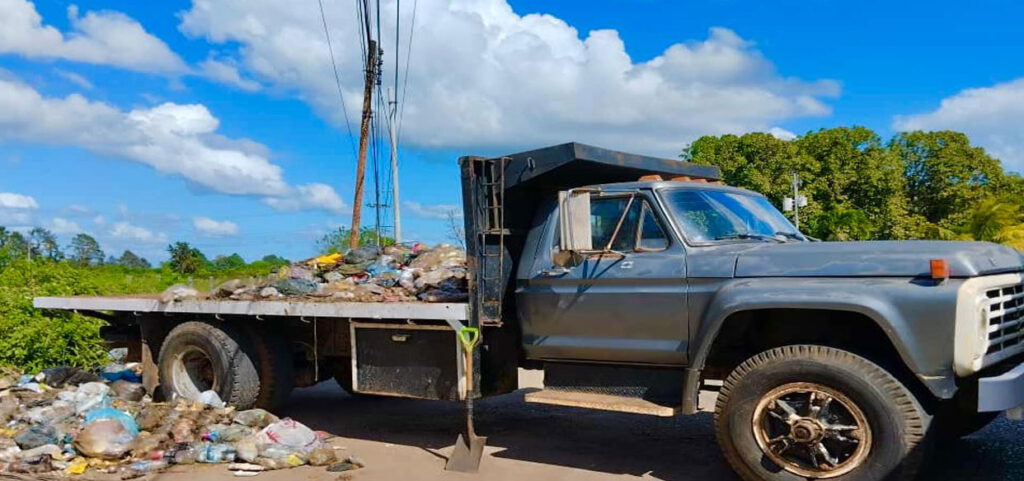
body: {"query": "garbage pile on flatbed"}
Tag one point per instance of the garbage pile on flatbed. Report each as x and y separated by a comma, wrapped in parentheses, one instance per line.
(398, 273)
(71, 421)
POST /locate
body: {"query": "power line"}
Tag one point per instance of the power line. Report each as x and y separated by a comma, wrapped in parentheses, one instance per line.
(337, 77)
(405, 80)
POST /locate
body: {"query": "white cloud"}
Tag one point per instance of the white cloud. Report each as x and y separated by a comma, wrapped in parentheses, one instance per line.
(437, 211)
(128, 232)
(76, 79)
(213, 228)
(226, 73)
(60, 225)
(172, 138)
(16, 209)
(309, 196)
(492, 77)
(99, 220)
(990, 116)
(781, 134)
(10, 200)
(103, 38)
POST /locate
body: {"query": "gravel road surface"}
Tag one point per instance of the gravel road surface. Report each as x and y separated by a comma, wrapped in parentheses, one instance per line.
(409, 440)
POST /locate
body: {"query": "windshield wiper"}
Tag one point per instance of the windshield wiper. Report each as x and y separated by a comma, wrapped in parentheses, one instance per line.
(791, 235)
(750, 235)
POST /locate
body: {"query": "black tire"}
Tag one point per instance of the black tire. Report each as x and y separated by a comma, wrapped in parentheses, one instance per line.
(955, 425)
(274, 364)
(199, 355)
(895, 420)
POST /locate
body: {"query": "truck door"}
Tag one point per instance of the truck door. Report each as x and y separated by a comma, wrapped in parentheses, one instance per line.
(625, 304)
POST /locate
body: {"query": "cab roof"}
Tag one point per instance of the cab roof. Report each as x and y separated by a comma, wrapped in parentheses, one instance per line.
(671, 184)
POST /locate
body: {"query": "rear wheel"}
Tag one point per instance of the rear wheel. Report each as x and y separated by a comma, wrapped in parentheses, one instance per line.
(274, 365)
(198, 356)
(800, 412)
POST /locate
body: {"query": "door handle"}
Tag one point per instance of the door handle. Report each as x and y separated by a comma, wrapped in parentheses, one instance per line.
(626, 265)
(554, 272)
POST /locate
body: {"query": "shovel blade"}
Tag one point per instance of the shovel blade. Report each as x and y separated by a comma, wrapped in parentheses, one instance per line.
(466, 456)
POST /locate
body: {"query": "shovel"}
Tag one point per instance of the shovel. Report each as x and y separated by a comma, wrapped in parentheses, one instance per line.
(469, 447)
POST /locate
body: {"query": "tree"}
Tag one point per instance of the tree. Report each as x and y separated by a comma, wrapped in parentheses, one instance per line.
(43, 244)
(85, 251)
(945, 174)
(275, 260)
(225, 263)
(13, 246)
(130, 260)
(186, 259)
(337, 240)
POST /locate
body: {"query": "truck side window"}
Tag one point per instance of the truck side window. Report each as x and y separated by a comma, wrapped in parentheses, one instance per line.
(604, 215)
(651, 236)
(640, 229)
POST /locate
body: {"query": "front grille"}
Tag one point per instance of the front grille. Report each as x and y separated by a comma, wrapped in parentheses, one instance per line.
(1005, 308)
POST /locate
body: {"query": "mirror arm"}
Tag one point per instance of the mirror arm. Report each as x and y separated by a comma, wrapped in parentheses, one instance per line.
(618, 225)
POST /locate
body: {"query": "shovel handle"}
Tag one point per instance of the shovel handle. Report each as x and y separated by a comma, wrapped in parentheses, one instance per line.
(469, 337)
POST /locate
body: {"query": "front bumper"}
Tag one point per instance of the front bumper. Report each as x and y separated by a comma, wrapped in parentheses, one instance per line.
(1002, 392)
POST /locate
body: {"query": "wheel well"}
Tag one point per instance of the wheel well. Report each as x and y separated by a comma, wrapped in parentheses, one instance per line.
(746, 333)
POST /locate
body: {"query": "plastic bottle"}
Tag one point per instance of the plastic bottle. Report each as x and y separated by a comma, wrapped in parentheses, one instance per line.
(216, 453)
(148, 466)
(52, 414)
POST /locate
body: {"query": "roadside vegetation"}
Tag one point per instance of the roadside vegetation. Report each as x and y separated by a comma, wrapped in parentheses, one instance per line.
(35, 265)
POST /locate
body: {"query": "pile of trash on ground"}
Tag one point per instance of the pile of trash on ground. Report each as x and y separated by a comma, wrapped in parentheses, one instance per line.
(71, 421)
(398, 273)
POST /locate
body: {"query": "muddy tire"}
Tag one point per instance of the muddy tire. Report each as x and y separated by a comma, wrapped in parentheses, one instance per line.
(274, 365)
(805, 412)
(198, 355)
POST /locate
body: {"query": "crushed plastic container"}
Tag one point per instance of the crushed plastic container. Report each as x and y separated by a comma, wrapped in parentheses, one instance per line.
(210, 398)
(289, 434)
(215, 453)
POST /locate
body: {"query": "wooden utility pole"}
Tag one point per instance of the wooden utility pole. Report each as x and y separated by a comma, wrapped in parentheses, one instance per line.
(364, 134)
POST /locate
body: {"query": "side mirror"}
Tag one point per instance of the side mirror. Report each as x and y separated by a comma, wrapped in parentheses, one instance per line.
(574, 220)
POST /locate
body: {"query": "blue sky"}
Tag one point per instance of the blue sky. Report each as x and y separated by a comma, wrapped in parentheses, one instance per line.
(218, 123)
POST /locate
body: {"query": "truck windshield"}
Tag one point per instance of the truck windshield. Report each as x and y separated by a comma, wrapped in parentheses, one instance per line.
(715, 215)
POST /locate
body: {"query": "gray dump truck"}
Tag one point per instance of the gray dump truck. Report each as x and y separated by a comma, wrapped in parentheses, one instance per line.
(635, 282)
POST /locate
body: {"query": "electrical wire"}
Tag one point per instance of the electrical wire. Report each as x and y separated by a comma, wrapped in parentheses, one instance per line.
(405, 81)
(337, 77)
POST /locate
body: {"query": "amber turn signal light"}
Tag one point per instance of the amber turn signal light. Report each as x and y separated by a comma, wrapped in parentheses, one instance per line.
(940, 269)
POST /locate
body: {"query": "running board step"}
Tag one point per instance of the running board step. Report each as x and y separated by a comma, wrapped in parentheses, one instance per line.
(604, 402)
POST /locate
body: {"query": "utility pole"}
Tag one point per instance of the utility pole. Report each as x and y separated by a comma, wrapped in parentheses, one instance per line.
(796, 198)
(364, 134)
(395, 203)
(796, 202)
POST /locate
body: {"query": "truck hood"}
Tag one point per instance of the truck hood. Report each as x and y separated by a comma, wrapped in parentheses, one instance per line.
(874, 259)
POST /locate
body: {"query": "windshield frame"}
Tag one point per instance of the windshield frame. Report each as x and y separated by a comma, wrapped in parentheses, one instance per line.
(660, 194)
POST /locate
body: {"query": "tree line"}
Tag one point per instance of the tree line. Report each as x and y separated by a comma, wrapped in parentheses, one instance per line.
(918, 185)
(83, 250)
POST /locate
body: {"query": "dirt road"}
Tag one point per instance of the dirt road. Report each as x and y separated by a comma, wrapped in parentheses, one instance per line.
(408, 440)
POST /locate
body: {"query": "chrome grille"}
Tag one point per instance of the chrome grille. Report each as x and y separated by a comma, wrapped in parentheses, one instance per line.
(1005, 307)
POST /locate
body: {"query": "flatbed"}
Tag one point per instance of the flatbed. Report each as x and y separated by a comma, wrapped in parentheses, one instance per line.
(280, 308)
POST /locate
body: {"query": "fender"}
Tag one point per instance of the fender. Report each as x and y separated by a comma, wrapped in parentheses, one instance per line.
(916, 315)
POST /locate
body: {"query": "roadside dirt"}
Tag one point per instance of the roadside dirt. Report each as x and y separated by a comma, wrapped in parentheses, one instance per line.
(409, 440)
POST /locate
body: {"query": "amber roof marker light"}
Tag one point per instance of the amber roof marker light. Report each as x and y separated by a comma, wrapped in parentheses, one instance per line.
(939, 269)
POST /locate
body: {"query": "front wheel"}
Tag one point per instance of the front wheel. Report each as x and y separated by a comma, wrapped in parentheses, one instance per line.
(799, 412)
